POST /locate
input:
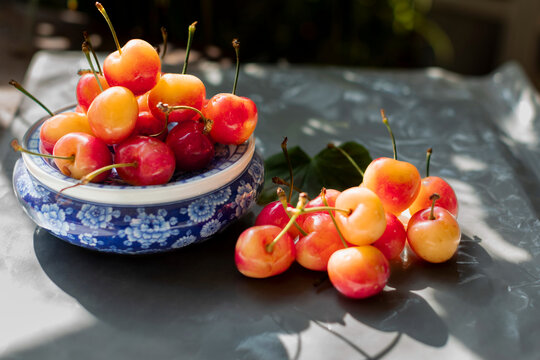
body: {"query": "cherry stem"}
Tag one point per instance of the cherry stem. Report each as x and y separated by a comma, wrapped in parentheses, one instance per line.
(428, 160)
(279, 181)
(17, 147)
(289, 165)
(23, 90)
(434, 197)
(326, 208)
(191, 32)
(325, 202)
(208, 123)
(87, 39)
(90, 176)
(87, 54)
(236, 45)
(302, 201)
(283, 199)
(346, 154)
(164, 37)
(104, 13)
(385, 121)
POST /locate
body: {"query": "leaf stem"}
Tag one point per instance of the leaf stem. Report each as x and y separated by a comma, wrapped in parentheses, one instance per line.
(346, 154)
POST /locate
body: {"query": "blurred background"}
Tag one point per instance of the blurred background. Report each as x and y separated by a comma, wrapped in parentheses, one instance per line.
(470, 37)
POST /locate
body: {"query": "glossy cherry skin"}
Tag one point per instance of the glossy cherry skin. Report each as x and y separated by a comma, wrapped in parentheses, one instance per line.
(358, 272)
(61, 124)
(274, 214)
(90, 154)
(434, 240)
(435, 185)
(155, 161)
(88, 89)
(113, 114)
(235, 118)
(253, 260)
(314, 249)
(367, 221)
(136, 68)
(175, 90)
(392, 241)
(397, 183)
(331, 196)
(192, 148)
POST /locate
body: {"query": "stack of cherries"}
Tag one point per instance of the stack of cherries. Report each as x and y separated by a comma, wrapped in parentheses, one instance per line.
(352, 234)
(129, 108)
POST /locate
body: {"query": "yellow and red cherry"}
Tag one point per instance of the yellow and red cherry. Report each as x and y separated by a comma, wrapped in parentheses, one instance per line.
(275, 214)
(192, 148)
(330, 195)
(397, 183)
(135, 66)
(178, 90)
(433, 233)
(89, 153)
(153, 161)
(88, 88)
(314, 249)
(254, 257)
(235, 117)
(358, 272)
(392, 241)
(113, 114)
(431, 185)
(366, 220)
(61, 124)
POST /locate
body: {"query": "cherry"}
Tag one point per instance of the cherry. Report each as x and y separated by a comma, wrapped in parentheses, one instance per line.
(61, 124)
(433, 233)
(135, 66)
(191, 145)
(178, 89)
(153, 161)
(331, 196)
(431, 185)
(366, 221)
(275, 214)
(235, 117)
(397, 183)
(314, 249)
(392, 241)
(358, 272)
(113, 114)
(88, 88)
(147, 124)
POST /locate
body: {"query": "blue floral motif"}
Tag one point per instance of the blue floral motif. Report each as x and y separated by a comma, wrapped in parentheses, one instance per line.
(27, 188)
(96, 217)
(210, 228)
(201, 210)
(256, 171)
(89, 240)
(185, 240)
(222, 196)
(148, 229)
(244, 198)
(54, 218)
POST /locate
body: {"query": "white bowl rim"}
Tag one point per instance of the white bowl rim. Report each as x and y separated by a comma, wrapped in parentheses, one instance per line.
(138, 195)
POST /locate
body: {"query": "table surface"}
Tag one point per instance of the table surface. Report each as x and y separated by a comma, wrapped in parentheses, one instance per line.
(58, 301)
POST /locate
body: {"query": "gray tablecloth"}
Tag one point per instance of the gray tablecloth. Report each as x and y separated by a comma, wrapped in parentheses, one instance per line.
(58, 301)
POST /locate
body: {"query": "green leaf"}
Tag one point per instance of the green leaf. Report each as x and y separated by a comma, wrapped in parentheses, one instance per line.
(329, 169)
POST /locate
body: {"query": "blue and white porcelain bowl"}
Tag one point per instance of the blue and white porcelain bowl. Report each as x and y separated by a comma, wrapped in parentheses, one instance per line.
(117, 218)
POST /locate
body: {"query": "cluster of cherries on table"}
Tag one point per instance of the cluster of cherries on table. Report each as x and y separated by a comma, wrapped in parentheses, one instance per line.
(352, 234)
(129, 107)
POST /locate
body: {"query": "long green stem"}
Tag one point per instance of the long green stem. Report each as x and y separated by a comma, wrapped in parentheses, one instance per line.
(87, 54)
(289, 165)
(279, 181)
(346, 154)
(325, 202)
(283, 199)
(191, 32)
(104, 13)
(23, 90)
(17, 147)
(385, 121)
(302, 200)
(87, 39)
(428, 160)
(208, 123)
(164, 36)
(236, 45)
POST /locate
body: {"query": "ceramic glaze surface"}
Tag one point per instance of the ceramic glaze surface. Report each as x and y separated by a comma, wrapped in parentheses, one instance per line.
(138, 229)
